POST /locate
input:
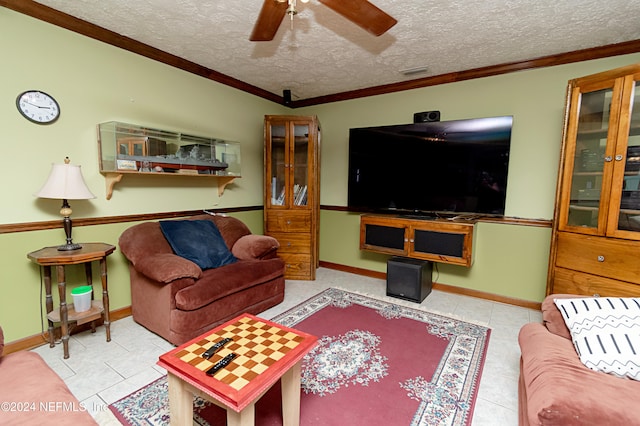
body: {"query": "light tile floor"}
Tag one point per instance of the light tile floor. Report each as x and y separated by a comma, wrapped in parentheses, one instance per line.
(100, 373)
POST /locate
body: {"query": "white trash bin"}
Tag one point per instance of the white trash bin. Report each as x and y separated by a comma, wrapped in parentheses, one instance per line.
(82, 298)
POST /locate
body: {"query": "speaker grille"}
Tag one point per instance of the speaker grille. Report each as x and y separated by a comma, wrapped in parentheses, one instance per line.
(384, 236)
(441, 243)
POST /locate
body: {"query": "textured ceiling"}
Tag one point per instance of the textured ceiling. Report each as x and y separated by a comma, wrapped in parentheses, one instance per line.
(322, 53)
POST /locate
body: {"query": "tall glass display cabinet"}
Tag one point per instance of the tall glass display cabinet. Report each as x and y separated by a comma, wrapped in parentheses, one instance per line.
(596, 235)
(292, 193)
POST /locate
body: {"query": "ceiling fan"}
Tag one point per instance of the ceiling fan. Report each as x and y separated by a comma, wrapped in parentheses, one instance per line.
(360, 12)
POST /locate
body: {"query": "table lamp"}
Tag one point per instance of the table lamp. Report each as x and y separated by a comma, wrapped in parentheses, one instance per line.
(65, 182)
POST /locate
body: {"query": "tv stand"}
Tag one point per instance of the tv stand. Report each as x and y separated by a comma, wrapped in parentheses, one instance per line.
(431, 238)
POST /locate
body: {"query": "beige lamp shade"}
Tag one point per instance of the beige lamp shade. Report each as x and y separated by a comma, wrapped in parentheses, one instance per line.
(65, 182)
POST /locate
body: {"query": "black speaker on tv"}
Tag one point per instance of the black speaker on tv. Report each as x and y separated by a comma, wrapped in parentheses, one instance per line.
(426, 116)
(408, 279)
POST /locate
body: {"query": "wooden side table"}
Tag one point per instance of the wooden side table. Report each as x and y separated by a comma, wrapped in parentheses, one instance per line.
(51, 256)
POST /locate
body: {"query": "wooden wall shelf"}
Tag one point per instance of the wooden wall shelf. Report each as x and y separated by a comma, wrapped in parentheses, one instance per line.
(112, 178)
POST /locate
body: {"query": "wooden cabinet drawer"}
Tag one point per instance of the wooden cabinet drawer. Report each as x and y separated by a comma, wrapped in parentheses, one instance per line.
(297, 266)
(574, 282)
(614, 258)
(288, 221)
(292, 242)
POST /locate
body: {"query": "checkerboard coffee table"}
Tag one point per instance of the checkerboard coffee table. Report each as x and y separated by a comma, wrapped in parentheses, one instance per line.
(263, 352)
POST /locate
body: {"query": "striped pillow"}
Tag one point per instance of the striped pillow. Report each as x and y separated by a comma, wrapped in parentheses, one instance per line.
(605, 332)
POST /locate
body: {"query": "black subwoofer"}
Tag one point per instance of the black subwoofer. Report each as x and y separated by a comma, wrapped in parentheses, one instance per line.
(408, 279)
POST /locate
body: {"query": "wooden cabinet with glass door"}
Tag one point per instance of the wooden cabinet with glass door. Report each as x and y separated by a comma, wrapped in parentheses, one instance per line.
(596, 235)
(292, 193)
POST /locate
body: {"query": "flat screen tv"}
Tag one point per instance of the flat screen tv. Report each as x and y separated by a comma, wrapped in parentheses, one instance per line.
(428, 168)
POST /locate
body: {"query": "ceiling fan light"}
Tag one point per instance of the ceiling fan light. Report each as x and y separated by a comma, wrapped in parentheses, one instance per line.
(291, 10)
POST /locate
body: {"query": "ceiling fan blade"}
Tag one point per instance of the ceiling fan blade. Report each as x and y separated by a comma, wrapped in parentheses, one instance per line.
(269, 20)
(362, 13)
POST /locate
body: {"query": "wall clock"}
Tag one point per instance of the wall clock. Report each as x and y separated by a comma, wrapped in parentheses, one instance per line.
(38, 107)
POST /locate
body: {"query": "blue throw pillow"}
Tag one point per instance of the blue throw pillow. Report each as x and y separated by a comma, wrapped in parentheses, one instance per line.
(199, 241)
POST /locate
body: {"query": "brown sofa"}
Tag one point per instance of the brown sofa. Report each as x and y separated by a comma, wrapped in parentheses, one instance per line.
(176, 299)
(31, 393)
(555, 388)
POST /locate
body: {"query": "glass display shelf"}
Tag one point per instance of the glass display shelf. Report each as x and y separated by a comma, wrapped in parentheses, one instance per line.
(132, 149)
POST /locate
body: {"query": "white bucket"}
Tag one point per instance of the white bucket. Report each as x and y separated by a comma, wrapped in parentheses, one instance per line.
(82, 298)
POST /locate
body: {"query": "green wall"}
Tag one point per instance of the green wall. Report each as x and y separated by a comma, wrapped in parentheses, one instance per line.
(510, 260)
(95, 82)
(534, 98)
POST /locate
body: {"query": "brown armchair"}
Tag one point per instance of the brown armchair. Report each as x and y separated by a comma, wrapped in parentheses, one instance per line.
(173, 297)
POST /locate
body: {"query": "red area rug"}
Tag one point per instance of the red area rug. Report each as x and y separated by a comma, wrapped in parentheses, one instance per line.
(377, 363)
